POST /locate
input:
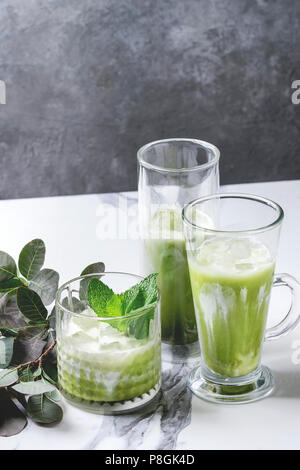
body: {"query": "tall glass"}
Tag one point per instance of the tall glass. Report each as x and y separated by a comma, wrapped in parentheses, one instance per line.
(172, 172)
(106, 365)
(232, 254)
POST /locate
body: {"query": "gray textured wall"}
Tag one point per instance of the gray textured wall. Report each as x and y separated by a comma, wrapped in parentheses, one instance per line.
(89, 81)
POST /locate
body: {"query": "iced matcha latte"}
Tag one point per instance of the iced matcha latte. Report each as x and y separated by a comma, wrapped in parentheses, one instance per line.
(231, 281)
(98, 362)
(166, 254)
(108, 361)
(232, 272)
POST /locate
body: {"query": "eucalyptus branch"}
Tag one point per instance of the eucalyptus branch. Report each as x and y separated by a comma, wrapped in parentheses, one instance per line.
(39, 359)
(25, 291)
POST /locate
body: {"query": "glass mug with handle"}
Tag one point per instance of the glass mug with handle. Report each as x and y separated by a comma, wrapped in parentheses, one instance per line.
(232, 244)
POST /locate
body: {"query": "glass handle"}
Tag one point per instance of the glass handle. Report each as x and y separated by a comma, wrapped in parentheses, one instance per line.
(293, 316)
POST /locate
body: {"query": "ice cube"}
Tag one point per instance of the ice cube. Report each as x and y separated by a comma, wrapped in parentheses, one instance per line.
(93, 332)
(240, 249)
(86, 323)
(244, 266)
(110, 346)
(82, 341)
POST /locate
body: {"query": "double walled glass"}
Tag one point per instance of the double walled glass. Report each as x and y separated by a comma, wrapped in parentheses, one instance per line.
(232, 244)
(172, 172)
(106, 365)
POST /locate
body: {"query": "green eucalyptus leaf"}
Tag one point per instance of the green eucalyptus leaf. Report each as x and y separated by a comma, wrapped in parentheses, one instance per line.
(10, 286)
(3, 302)
(50, 372)
(11, 318)
(29, 345)
(45, 284)
(8, 332)
(26, 375)
(54, 395)
(37, 324)
(34, 388)
(8, 268)
(12, 420)
(31, 305)
(42, 410)
(90, 269)
(52, 319)
(6, 351)
(8, 377)
(32, 258)
(94, 268)
(37, 372)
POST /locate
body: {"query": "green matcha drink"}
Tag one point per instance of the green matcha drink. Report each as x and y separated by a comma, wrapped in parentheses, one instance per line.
(231, 281)
(99, 363)
(108, 341)
(166, 254)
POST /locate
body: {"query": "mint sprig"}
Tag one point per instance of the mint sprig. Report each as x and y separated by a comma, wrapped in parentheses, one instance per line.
(141, 296)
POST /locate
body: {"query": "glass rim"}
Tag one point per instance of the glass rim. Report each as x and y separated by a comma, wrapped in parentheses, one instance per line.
(201, 143)
(135, 313)
(251, 197)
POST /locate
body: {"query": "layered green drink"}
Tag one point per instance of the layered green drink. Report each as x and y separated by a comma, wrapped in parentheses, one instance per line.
(108, 344)
(98, 362)
(166, 254)
(231, 280)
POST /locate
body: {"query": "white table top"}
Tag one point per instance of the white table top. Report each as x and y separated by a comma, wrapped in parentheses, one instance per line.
(75, 232)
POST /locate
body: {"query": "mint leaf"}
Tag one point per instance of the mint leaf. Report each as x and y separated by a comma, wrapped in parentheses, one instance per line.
(114, 306)
(141, 295)
(90, 269)
(98, 296)
(139, 326)
(133, 299)
(149, 288)
(106, 303)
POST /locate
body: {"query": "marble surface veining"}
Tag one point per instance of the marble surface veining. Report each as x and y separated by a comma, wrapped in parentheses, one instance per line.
(157, 425)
